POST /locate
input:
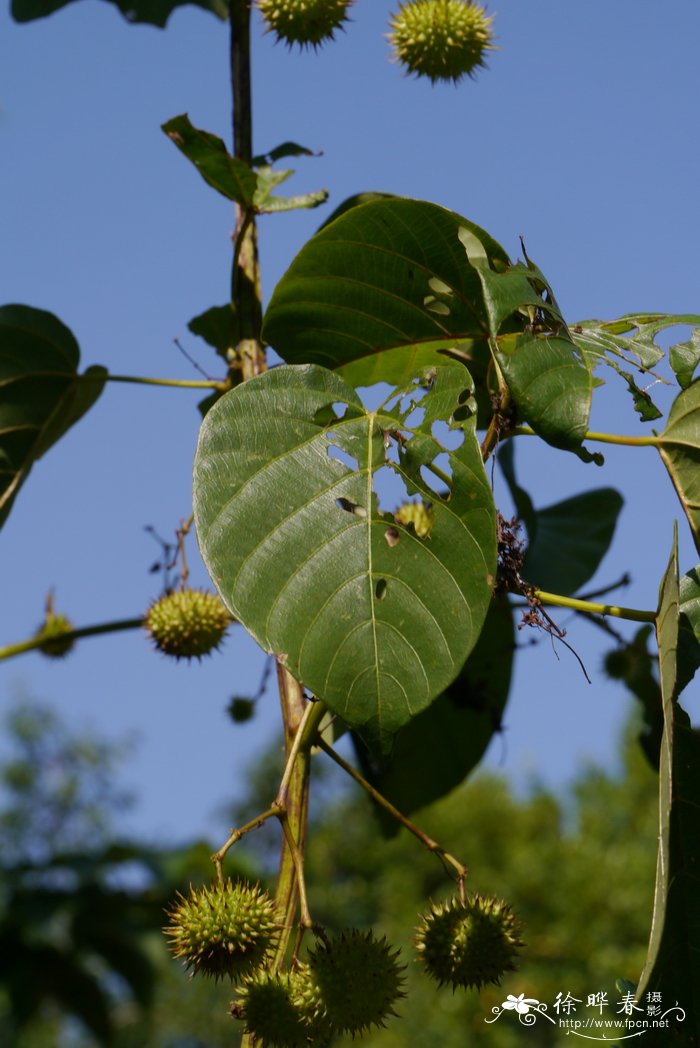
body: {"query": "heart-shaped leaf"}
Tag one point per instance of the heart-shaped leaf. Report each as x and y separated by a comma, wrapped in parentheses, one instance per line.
(41, 394)
(369, 616)
(679, 447)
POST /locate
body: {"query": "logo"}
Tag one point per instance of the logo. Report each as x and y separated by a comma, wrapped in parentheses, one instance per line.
(591, 1020)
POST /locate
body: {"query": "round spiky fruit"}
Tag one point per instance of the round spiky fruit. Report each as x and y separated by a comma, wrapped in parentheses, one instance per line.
(276, 1010)
(304, 22)
(441, 39)
(469, 943)
(354, 981)
(52, 633)
(187, 623)
(223, 930)
(419, 514)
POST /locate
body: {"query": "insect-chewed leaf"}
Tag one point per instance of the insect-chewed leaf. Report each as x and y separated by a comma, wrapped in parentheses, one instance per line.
(371, 617)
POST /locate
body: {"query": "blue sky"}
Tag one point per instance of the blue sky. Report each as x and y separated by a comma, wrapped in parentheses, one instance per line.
(582, 136)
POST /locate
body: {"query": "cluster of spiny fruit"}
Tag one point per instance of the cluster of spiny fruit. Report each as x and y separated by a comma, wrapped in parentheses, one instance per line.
(347, 983)
(440, 39)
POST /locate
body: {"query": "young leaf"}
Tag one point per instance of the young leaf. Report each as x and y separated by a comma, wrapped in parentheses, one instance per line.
(685, 356)
(41, 395)
(230, 176)
(679, 448)
(672, 966)
(372, 618)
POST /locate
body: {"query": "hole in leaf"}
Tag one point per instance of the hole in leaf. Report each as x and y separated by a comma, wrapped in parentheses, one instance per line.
(392, 536)
(445, 436)
(337, 453)
(340, 408)
(351, 507)
(380, 589)
(442, 462)
(464, 396)
(435, 484)
(462, 413)
(389, 486)
(415, 418)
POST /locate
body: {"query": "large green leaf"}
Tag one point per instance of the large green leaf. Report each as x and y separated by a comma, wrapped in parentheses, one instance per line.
(679, 448)
(393, 285)
(568, 540)
(389, 274)
(41, 393)
(152, 12)
(672, 967)
(443, 744)
(372, 618)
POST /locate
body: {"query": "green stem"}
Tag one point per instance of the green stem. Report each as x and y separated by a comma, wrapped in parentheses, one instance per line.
(593, 608)
(601, 438)
(140, 381)
(427, 842)
(36, 642)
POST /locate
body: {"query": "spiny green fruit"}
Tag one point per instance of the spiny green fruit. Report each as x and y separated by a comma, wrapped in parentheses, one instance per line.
(441, 39)
(419, 514)
(354, 981)
(276, 1010)
(52, 633)
(223, 930)
(304, 22)
(469, 943)
(187, 623)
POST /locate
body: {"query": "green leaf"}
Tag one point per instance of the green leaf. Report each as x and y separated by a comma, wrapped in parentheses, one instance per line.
(41, 394)
(231, 177)
(679, 447)
(386, 275)
(689, 628)
(355, 200)
(373, 619)
(566, 541)
(443, 744)
(684, 358)
(264, 201)
(630, 342)
(152, 12)
(570, 540)
(550, 385)
(218, 327)
(672, 967)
